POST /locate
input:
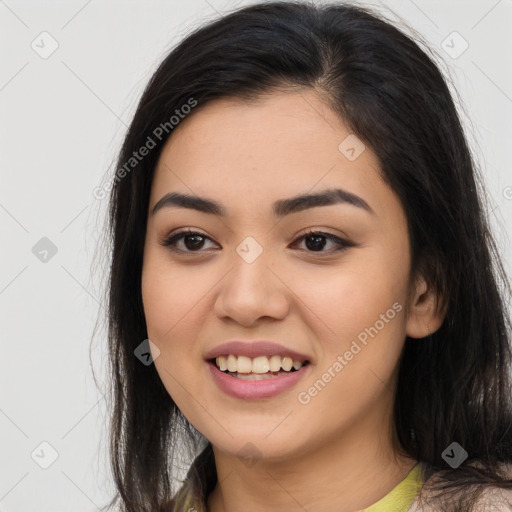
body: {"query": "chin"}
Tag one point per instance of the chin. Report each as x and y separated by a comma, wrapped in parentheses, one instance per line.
(257, 444)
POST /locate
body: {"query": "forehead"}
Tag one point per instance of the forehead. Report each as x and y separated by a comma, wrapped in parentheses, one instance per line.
(280, 145)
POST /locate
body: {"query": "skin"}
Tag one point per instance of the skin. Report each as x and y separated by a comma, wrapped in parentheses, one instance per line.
(246, 156)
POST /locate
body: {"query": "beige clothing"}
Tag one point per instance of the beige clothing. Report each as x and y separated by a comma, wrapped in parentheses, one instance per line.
(491, 500)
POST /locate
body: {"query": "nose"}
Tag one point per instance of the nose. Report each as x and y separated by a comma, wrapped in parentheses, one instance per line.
(251, 291)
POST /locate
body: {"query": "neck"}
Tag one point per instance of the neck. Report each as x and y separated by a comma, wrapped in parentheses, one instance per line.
(349, 472)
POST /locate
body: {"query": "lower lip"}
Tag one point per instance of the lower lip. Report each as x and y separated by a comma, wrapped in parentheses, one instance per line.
(255, 389)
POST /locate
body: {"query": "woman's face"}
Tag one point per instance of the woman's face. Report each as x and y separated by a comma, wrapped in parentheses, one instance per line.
(249, 274)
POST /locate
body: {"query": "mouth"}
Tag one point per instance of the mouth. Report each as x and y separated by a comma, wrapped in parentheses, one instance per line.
(257, 368)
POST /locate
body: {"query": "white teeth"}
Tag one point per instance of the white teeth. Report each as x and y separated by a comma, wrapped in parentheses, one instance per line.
(275, 363)
(244, 364)
(231, 363)
(222, 363)
(287, 364)
(258, 365)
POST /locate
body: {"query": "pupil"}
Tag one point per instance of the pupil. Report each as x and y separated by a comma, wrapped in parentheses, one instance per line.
(314, 245)
(196, 244)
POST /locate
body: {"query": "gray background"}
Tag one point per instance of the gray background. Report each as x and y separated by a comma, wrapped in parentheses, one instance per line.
(63, 116)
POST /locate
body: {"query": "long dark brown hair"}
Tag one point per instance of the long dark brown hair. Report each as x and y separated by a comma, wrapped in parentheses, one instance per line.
(454, 385)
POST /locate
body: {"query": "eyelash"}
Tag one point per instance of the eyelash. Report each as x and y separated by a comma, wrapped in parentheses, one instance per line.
(171, 241)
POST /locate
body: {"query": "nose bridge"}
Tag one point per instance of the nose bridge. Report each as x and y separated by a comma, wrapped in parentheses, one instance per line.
(251, 290)
(250, 273)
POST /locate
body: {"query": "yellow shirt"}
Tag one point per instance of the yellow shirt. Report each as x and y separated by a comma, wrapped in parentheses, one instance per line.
(401, 497)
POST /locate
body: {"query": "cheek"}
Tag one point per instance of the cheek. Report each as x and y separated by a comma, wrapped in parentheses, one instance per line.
(172, 302)
(363, 311)
(171, 308)
(353, 295)
(360, 308)
(171, 295)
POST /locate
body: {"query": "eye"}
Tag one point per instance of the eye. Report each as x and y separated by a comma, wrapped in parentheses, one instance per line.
(315, 241)
(192, 240)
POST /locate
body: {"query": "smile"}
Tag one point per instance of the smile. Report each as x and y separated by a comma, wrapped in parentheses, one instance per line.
(246, 366)
(273, 375)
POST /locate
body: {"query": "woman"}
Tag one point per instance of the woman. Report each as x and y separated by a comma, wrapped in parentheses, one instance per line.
(304, 289)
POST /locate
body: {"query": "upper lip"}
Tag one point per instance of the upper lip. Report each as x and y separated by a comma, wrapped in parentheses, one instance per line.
(254, 349)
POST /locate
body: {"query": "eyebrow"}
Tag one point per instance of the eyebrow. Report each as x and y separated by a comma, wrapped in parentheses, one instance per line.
(280, 208)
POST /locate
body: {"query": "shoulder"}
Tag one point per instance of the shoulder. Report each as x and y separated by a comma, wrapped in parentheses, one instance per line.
(494, 499)
(491, 499)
